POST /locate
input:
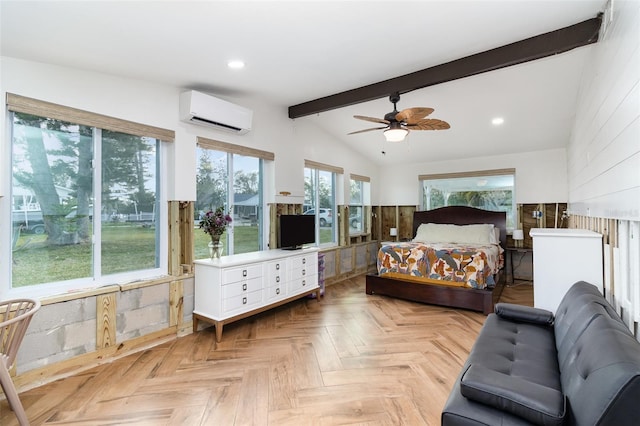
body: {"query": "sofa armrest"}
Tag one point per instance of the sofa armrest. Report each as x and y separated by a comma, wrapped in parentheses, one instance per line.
(536, 403)
(524, 313)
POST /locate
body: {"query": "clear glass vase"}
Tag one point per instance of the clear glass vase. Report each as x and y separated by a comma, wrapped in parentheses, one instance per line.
(215, 249)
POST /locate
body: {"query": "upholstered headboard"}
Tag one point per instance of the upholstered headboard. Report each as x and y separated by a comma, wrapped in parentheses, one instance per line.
(462, 215)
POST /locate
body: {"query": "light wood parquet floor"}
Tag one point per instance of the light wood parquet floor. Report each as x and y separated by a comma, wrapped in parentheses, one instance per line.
(351, 359)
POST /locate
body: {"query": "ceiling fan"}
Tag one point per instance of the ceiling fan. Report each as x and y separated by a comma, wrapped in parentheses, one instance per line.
(398, 124)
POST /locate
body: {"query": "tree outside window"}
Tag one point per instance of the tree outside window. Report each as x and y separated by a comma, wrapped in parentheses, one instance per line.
(234, 182)
(60, 230)
(482, 190)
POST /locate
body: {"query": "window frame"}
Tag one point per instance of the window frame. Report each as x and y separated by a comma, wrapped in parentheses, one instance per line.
(231, 150)
(316, 168)
(96, 278)
(512, 219)
(365, 189)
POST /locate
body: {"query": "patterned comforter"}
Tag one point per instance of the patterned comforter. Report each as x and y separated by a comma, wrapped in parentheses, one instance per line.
(446, 264)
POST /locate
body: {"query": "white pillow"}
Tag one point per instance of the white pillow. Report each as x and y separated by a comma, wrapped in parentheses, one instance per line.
(495, 237)
(480, 234)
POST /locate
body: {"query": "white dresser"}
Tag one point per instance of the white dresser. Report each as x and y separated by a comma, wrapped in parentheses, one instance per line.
(234, 287)
(562, 257)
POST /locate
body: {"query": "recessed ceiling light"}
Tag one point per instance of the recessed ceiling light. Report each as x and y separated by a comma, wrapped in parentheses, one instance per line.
(235, 65)
(497, 121)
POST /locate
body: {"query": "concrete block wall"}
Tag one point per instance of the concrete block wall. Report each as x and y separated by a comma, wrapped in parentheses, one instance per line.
(188, 300)
(58, 332)
(62, 330)
(142, 311)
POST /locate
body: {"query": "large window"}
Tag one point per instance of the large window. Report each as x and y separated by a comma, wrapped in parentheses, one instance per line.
(85, 200)
(230, 176)
(358, 199)
(489, 190)
(320, 199)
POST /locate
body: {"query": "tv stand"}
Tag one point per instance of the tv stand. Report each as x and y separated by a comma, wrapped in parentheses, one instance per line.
(234, 287)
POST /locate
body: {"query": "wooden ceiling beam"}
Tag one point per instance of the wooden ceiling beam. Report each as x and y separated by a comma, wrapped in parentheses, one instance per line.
(529, 49)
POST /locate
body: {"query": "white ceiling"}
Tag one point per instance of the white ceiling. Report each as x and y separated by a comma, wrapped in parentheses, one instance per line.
(297, 51)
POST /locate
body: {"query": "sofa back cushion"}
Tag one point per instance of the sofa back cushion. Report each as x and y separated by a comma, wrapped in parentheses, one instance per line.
(599, 359)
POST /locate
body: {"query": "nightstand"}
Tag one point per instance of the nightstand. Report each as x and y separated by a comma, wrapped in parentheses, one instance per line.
(510, 252)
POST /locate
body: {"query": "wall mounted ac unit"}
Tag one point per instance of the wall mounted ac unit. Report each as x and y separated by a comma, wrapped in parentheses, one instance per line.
(200, 108)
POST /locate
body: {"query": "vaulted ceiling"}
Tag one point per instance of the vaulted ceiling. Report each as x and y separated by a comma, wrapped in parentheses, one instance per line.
(297, 52)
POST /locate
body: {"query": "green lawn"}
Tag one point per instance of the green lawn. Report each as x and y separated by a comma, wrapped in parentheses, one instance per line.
(124, 248)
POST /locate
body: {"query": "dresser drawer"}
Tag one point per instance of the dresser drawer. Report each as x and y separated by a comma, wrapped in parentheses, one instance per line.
(241, 287)
(302, 284)
(304, 261)
(243, 302)
(275, 273)
(248, 272)
(304, 271)
(275, 292)
(276, 268)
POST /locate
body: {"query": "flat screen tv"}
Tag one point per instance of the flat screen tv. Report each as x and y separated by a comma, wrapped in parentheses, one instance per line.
(296, 230)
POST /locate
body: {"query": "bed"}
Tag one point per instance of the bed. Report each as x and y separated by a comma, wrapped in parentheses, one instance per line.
(477, 288)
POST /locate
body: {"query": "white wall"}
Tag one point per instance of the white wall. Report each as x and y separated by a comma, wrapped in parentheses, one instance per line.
(604, 152)
(541, 176)
(154, 104)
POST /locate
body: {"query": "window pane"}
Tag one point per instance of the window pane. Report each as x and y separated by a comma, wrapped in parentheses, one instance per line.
(355, 219)
(246, 204)
(310, 189)
(356, 209)
(51, 181)
(211, 193)
(58, 167)
(356, 192)
(320, 191)
(493, 193)
(129, 203)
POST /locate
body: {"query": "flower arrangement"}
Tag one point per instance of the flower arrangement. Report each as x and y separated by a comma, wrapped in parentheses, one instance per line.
(215, 222)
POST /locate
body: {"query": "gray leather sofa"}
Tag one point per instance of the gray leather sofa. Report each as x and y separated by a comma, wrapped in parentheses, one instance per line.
(579, 367)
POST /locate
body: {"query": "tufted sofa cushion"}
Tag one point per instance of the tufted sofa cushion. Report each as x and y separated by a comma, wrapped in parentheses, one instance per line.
(538, 404)
(599, 359)
(516, 357)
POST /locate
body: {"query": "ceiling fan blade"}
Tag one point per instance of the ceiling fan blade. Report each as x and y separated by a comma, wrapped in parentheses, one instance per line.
(367, 130)
(413, 115)
(429, 124)
(372, 119)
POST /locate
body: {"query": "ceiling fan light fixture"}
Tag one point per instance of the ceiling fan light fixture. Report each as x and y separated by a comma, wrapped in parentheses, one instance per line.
(395, 133)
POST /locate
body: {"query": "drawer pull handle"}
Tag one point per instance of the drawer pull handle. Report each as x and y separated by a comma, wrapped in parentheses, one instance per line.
(277, 266)
(278, 279)
(304, 282)
(244, 300)
(304, 272)
(244, 272)
(278, 290)
(304, 260)
(244, 286)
